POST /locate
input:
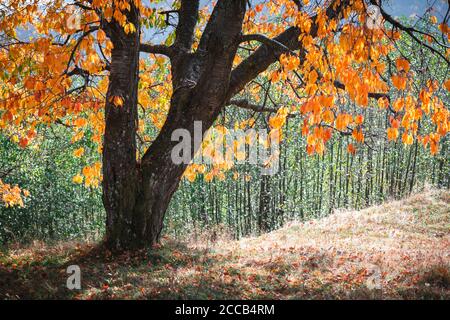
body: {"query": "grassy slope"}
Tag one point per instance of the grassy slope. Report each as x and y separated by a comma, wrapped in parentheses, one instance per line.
(399, 249)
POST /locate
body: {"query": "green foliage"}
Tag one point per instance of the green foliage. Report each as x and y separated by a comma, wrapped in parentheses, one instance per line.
(56, 208)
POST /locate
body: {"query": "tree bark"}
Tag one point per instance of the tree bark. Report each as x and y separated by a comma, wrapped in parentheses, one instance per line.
(120, 172)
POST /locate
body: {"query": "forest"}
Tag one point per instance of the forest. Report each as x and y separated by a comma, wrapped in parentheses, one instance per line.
(249, 149)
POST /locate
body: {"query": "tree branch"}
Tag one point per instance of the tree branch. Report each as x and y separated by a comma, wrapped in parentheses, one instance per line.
(187, 20)
(410, 31)
(156, 49)
(245, 104)
(268, 54)
(373, 95)
(265, 40)
(77, 44)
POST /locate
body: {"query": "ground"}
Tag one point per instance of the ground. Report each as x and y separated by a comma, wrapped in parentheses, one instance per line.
(397, 250)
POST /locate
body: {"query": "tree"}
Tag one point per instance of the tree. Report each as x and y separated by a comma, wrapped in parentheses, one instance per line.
(88, 73)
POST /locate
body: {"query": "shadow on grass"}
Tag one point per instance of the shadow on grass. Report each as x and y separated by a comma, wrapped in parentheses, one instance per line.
(41, 274)
(174, 271)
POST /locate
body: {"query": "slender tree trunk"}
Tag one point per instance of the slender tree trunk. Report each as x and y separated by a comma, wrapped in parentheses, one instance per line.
(264, 202)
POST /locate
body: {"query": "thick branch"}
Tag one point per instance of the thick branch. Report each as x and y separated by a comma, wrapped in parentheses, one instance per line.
(261, 59)
(265, 40)
(216, 26)
(245, 104)
(187, 20)
(156, 49)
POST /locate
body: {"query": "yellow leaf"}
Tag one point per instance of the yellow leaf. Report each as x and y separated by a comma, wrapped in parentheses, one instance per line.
(129, 28)
(79, 152)
(78, 179)
(407, 138)
(117, 101)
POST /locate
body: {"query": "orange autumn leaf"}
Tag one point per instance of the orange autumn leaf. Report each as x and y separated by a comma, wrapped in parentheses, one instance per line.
(320, 147)
(359, 119)
(305, 130)
(358, 135)
(392, 134)
(80, 122)
(275, 77)
(23, 142)
(326, 135)
(383, 103)
(351, 148)
(398, 105)
(342, 121)
(11, 195)
(447, 84)
(117, 101)
(434, 147)
(310, 149)
(403, 65)
(328, 116)
(399, 82)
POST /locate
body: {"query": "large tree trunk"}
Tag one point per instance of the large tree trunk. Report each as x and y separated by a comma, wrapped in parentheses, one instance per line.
(120, 174)
(136, 194)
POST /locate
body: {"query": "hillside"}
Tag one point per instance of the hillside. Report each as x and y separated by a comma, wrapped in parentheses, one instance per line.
(398, 250)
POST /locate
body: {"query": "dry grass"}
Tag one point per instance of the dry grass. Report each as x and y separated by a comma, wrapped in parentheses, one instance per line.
(398, 250)
(387, 249)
